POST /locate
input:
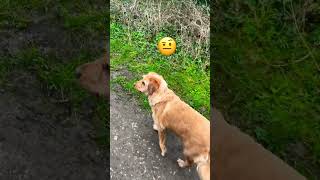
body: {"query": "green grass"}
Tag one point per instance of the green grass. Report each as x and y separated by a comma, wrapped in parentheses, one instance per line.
(132, 51)
(266, 59)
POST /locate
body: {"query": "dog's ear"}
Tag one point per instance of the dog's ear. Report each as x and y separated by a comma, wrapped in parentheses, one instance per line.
(153, 85)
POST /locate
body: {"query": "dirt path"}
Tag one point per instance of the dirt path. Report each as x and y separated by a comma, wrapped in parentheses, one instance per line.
(134, 152)
(42, 139)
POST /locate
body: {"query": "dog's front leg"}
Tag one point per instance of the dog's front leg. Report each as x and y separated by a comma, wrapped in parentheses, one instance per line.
(155, 122)
(162, 141)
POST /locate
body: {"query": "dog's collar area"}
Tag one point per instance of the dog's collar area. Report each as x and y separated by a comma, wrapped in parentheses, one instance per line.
(159, 102)
(163, 94)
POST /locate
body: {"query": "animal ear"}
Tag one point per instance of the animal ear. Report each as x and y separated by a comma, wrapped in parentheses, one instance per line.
(153, 85)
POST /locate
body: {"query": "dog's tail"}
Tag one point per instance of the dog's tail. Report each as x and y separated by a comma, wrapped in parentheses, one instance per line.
(203, 167)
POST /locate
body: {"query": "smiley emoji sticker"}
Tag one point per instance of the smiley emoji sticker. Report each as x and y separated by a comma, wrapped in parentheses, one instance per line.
(167, 46)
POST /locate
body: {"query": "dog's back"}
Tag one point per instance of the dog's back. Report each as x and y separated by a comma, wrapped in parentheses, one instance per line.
(187, 123)
(238, 156)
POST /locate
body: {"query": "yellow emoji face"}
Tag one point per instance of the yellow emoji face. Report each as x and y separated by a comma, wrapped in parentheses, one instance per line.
(167, 46)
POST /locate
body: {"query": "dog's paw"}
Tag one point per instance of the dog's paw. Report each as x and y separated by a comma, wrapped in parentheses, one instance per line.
(155, 127)
(163, 152)
(181, 163)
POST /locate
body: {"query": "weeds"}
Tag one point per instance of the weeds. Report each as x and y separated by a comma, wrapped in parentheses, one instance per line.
(186, 20)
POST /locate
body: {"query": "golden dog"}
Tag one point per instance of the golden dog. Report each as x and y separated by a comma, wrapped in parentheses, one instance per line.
(170, 112)
(94, 76)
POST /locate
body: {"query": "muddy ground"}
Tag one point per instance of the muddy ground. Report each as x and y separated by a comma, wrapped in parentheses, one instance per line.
(42, 139)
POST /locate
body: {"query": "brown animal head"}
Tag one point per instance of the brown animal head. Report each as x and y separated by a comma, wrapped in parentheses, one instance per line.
(150, 83)
(94, 76)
